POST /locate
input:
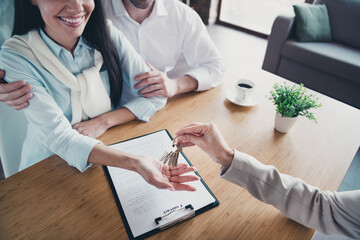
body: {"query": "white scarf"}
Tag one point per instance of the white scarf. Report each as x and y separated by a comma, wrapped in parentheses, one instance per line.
(88, 94)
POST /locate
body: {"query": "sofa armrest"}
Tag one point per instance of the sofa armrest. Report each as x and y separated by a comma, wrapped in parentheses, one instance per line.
(282, 30)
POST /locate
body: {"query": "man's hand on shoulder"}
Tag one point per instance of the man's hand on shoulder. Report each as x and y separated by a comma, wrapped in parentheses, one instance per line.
(155, 83)
(16, 94)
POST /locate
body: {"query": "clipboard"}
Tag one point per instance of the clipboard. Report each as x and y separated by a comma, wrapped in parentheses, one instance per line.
(168, 216)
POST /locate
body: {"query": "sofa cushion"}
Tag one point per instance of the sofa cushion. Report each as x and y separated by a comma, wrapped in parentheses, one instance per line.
(312, 23)
(334, 58)
(344, 20)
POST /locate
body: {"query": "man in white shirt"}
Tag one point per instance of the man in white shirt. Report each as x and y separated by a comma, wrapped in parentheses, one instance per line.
(169, 35)
(328, 212)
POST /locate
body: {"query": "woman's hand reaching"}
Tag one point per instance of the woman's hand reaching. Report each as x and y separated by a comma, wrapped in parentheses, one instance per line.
(165, 177)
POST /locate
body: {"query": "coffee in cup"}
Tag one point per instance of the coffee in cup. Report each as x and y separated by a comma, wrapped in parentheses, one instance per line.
(244, 89)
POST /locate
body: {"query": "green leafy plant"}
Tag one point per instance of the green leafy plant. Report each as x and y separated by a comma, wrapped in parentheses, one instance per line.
(292, 101)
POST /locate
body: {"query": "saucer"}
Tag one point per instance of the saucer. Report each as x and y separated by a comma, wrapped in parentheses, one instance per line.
(252, 100)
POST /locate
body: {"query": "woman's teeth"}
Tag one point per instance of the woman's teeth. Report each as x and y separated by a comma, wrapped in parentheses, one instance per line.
(72, 20)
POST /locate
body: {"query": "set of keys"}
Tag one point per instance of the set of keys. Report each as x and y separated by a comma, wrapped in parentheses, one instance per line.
(171, 156)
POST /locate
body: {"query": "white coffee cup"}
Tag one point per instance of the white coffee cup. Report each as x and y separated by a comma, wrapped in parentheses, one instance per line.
(244, 89)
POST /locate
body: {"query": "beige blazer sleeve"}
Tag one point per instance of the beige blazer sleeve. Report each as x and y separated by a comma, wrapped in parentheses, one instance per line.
(326, 211)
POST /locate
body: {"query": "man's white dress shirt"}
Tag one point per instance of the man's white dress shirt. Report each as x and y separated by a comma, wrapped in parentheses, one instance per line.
(173, 31)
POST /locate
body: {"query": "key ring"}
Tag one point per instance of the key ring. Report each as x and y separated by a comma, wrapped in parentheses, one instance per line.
(175, 143)
(171, 157)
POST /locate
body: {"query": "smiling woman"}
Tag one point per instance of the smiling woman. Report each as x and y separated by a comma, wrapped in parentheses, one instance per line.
(65, 21)
(48, 14)
(79, 67)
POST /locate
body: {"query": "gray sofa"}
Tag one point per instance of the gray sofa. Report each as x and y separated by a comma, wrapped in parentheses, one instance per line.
(331, 68)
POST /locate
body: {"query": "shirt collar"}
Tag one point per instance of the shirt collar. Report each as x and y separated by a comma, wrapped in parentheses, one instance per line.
(56, 48)
(119, 8)
(158, 10)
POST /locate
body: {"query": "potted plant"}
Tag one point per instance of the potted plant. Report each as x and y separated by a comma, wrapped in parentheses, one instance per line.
(291, 102)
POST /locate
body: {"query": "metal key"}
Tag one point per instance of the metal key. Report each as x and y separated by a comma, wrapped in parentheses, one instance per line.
(171, 156)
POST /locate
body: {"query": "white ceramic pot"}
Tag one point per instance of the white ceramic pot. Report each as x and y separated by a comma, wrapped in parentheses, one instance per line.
(283, 124)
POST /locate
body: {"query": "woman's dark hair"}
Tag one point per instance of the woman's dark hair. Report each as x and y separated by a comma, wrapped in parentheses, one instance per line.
(96, 33)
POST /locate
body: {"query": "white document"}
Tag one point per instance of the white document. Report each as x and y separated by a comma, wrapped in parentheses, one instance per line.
(142, 203)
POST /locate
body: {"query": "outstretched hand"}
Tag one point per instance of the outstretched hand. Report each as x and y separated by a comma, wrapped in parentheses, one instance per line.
(166, 177)
(208, 137)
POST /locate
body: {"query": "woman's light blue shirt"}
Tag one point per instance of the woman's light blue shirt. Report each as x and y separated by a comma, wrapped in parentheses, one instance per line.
(49, 113)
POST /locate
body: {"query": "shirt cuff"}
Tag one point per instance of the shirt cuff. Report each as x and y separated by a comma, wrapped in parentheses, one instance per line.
(238, 165)
(143, 108)
(79, 151)
(202, 76)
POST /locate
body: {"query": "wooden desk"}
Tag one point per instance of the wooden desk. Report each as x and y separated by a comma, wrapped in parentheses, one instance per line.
(51, 200)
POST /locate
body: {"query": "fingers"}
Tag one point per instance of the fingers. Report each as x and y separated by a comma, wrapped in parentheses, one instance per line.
(2, 74)
(16, 94)
(194, 128)
(151, 88)
(180, 165)
(21, 106)
(182, 170)
(82, 130)
(192, 124)
(183, 187)
(13, 90)
(178, 170)
(149, 81)
(155, 94)
(172, 174)
(76, 126)
(9, 87)
(150, 66)
(191, 140)
(18, 101)
(187, 144)
(153, 72)
(146, 75)
(162, 184)
(186, 178)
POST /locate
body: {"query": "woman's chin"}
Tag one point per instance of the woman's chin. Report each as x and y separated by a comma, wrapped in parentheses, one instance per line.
(74, 33)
